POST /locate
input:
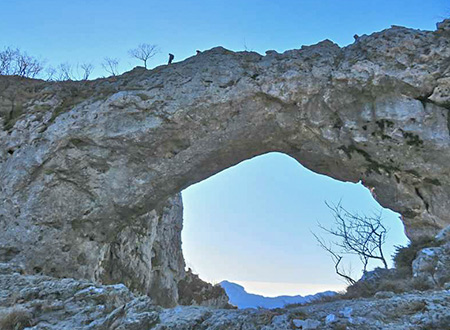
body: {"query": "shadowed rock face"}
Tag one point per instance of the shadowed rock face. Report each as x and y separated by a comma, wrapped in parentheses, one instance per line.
(88, 169)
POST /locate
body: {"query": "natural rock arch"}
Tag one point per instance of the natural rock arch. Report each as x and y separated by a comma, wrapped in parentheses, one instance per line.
(87, 169)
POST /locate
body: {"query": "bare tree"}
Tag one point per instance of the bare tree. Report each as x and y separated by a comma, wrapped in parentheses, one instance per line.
(65, 71)
(28, 66)
(7, 58)
(356, 234)
(86, 70)
(15, 62)
(51, 73)
(111, 65)
(144, 52)
(337, 258)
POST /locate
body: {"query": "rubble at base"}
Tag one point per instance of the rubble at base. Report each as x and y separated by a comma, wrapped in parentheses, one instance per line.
(59, 304)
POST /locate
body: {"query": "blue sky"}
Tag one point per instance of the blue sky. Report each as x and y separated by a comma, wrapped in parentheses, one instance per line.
(80, 31)
(250, 223)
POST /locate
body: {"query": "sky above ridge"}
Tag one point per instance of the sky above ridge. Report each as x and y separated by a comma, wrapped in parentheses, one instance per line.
(252, 223)
(85, 31)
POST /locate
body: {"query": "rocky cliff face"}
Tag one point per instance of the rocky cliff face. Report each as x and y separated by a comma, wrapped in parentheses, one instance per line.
(88, 170)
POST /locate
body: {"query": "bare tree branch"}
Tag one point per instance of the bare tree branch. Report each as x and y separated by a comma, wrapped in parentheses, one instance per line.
(7, 58)
(110, 65)
(51, 73)
(337, 258)
(144, 52)
(86, 69)
(15, 62)
(358, 235)
(65, 71)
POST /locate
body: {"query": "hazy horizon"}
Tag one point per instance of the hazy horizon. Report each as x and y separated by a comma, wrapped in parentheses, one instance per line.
(275, 289)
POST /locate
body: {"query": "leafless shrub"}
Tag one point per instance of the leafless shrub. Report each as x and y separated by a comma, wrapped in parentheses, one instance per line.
(28, 66)
(16, 62)
(357, 235)
(144, 52)
(65, 71)
(7, 58)
(15, 319)
(86, 70)
(110, 65)
(51, 73)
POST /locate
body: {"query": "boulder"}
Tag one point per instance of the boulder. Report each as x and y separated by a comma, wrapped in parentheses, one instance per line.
(193, 291)
(432, 264)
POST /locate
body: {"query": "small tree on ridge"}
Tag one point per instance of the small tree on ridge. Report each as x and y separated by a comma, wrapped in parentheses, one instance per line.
(111, 65)
(144, 52)
(16, 62)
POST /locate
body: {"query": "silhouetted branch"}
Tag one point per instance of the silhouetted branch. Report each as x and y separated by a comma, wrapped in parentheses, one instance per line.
(358, 235)
(15, 62)
(111, 65)
(144, 52)
(86, 70)
(337, 261)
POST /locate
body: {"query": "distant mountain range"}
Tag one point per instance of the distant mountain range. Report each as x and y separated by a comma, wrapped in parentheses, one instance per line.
(242, 299)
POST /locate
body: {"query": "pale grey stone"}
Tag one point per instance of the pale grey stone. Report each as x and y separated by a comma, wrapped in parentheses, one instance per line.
(306, 324)
(67, 304)
(432, 265)
(331, 318)
(90, 172)
(443, 236)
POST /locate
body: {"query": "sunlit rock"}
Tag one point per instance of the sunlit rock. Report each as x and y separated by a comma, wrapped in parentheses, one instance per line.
(88, 170)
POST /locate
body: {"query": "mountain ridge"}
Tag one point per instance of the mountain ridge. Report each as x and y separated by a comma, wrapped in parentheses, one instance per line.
(242, 299)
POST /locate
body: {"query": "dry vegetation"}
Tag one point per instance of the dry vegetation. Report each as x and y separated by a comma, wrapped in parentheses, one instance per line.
(397, 280)
(15, 62)
(15, 319)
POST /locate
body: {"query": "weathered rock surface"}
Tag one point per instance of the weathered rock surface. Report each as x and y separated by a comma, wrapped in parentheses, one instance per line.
(60, 304)
(432, 264)
(87, 169)
(194, 291)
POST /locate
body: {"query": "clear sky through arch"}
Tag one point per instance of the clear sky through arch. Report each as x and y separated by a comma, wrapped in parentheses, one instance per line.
(252, 224)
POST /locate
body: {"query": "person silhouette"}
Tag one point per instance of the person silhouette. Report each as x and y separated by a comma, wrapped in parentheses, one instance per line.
(171, 57)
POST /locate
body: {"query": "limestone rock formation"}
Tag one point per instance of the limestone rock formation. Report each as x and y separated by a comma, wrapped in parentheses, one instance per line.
(193, 291)
(89, 170)
(432, 264)
(46, 303)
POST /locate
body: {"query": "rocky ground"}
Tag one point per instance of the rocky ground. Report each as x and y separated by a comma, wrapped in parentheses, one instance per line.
(42, 302)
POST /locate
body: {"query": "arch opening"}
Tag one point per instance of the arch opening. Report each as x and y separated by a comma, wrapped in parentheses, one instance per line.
(251, 224)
